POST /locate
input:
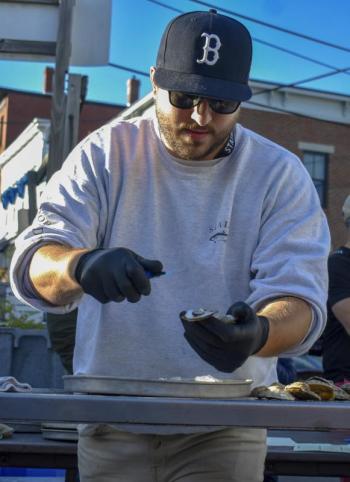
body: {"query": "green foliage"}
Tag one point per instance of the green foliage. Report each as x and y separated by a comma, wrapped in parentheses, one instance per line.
(10, 319)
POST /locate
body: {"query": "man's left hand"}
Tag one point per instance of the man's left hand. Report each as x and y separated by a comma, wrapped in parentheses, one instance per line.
(226, 346)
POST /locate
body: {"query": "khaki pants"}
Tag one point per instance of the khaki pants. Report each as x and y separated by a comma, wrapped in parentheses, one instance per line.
(232, 454)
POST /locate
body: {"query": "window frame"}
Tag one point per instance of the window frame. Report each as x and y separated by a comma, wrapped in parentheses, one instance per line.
(325, 155)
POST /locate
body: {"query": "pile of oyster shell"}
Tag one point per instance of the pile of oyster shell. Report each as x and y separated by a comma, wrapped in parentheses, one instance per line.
(314, 388)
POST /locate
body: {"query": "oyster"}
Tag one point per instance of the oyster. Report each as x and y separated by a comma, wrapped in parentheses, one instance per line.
(319, 384)
(275, 391)
(322, 387)
(314, 388)
(345, 387)
(302, 391)
(341, 394)
(202, 314)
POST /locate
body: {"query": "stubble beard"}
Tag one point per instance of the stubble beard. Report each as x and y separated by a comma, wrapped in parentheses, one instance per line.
(188, 151)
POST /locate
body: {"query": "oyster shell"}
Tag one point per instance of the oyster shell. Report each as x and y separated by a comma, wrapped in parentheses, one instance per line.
(341, 394)
(275, 391)
(346, 387)
(302, 391)
(322, 387)
(318, 384)
(202, 314)
(314, 388)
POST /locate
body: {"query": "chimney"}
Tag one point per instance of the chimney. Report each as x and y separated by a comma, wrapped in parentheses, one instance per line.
(49, 73)
(132, 90)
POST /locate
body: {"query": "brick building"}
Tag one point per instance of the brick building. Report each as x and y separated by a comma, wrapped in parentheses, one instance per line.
(17, 110)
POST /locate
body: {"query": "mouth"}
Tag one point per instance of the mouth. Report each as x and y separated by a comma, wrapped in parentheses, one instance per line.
(196, 134)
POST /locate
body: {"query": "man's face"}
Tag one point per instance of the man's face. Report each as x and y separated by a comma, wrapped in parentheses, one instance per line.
(198, 133)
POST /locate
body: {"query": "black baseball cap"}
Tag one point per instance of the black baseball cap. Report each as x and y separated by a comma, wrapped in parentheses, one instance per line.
(206, 54)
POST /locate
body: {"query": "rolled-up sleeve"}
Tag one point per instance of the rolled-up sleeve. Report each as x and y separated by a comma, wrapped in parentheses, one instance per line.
(72, 212)
(291, 255)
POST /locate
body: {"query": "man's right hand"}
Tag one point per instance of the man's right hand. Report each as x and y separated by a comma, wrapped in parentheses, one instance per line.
(114, 274)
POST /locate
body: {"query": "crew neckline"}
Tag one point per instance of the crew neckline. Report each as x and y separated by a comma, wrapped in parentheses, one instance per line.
(188, 162)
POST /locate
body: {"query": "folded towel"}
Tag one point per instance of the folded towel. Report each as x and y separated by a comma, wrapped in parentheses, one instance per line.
(10, 384)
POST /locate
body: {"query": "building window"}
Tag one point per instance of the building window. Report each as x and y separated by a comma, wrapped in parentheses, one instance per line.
(316, 163)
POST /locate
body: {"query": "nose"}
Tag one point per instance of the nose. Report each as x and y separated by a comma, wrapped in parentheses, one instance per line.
(202, 114)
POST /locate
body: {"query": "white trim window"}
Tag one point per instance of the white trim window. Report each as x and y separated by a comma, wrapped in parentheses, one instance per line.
(315, 158)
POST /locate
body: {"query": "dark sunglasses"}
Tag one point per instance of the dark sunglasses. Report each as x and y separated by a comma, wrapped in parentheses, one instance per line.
(188, 101)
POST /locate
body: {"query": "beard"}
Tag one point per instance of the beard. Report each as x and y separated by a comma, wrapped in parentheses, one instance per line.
(182, 146)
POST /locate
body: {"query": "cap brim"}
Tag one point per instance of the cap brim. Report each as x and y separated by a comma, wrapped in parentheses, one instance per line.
(203, 86)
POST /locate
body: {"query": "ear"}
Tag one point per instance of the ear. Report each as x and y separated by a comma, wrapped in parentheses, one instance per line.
(151, 73)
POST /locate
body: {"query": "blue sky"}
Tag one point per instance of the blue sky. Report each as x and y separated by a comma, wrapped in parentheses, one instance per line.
(137, 26)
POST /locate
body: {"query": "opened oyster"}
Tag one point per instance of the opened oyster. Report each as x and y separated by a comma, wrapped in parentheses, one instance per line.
(202, 314)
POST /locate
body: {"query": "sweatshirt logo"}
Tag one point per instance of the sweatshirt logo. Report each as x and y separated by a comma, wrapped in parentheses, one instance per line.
(219, 232)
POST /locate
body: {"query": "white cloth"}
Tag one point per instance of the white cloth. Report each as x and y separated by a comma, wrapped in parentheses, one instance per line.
(11, 384)
(5, 431)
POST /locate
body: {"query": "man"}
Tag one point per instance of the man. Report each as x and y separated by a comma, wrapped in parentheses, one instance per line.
(232, 218)
(336, 338)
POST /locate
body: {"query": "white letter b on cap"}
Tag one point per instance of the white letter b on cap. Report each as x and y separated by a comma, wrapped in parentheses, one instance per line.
(207, 48)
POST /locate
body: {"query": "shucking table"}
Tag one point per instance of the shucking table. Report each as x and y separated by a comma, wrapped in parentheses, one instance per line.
(59, 406)
(318, 422)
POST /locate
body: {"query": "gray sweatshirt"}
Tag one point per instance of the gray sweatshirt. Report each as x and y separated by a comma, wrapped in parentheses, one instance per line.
(247, 226)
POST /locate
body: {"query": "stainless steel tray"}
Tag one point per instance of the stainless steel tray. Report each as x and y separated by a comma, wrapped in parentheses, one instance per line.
(172, 387)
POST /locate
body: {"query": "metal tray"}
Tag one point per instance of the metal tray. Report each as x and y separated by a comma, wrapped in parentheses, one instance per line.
(172, 387)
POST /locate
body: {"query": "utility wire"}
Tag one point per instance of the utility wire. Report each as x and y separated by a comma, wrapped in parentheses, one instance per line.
(276, 27)
(296, 54)
(299, 82)
(128, 69)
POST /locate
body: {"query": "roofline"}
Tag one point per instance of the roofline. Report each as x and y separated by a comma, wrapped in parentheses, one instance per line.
(253, 82)
(287, 100)
(307, 90)
(36, 126)
(4, 91)
(137, 107)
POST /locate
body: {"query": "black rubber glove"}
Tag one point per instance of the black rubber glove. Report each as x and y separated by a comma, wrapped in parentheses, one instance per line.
(115, 274)
(226, 346)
